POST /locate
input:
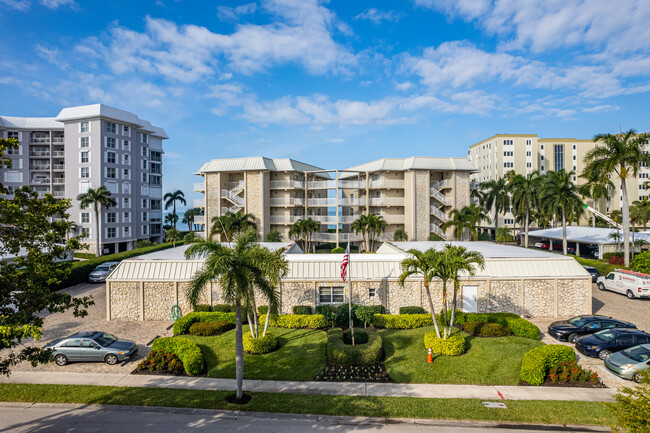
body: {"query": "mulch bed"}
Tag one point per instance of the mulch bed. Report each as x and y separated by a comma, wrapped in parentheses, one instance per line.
(362, 373)
(167, 373)
(548, 382)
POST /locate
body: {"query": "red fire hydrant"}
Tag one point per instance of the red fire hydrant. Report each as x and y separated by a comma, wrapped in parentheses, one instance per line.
(430, 357)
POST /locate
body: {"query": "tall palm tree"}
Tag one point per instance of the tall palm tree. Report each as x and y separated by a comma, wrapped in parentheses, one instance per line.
(229, 224)
(97, 198)
(188, 217)
(457, 220)
(496, 197)
(425, 264)
(474, 215)
(171, 219)
(273, 236)
(457, 260)
(376, 226)
(296, 232)
(170, 201)
(360, 225)
(620, 155)
(309, 227)
(524, 192)
(596, 189)
(644, 205)
(559, 195)
(241, 271)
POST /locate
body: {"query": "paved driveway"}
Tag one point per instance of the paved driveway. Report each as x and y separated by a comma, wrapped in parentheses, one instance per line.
(63, 324)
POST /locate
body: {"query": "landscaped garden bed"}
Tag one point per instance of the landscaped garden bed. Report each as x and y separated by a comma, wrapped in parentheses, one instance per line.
(555, 365)
(355, 373)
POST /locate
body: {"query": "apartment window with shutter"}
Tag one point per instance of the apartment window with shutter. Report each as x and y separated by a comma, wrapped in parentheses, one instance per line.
(110, 127)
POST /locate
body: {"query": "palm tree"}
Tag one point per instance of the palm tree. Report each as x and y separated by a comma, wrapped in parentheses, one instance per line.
(457, 220)
(229, 224)
(559, 195)
(504, 234)
(273, 236)
(474, 215)
(636, 216)
(524, 191)
(400, 235)
(621, 155)
(496, 196)
(376, 226)
(360, 225)
(425, 264)
(457, 259)
(241, 271)
(171, 219)
(172, 235)
(296, 232)
(188, 217)
(644, 205)
(309, 227)
(170, 201)
(596, 189)
(97, 198)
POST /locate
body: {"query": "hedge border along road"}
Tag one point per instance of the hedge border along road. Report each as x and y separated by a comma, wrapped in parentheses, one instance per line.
(339, 353)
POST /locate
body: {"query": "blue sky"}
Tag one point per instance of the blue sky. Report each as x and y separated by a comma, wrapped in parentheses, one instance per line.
(331, 83)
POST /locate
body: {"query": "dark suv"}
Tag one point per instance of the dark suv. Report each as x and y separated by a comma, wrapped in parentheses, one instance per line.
(593, 272)
(571, 330)
(604, 343)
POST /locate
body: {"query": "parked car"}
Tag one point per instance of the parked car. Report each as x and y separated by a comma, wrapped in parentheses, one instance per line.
(571, 330)
(629, 363)
(593, 272)
(629, 283)
(91, 346)
(558, 247)
(99, 274)
(602, 344)
(543, 245)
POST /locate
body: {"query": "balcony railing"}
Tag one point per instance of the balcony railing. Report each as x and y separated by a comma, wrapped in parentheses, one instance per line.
(441, 184)
(321, 202)
(199, 202)
(287, 184)
(39, 153)
(287, 201)
(387, 183)
(58, 180)
(199, 219)
(58, 167)
(199, 187)
(352, 237)
(285, 219)
(438, 213)
(40, 167)
(331, 219)
(58, 153)
(438, 196)
(39, 140)
(39, 181)
(437, 230)
(321, 184)
(387, 201)
(58, 194)
(58, 140)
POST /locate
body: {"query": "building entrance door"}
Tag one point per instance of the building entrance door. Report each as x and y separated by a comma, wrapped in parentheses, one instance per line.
(470, 299)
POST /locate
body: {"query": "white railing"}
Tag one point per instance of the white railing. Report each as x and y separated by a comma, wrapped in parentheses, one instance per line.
(393, 219)
(39, 153)
(285, 219)
(199, 187)
(40, 167)
(438, 213)
(39, 181)
(226, 209)
(39, 139)
(321, 202)
(321, 184)
(236, 187)
(58, 167)
(227, 194)
(58, 140)
(287, 184)
(199, 202)
(387, 201)
(199, 219)
(441, 184)
(352, 237)
(331, 219)
(290, 201)
(437, 230)
(474, 185)
(58, 194)
(387, 183)
(58, 153)
(352, 184)
(58, 180)
(441, 198)
(352, 201)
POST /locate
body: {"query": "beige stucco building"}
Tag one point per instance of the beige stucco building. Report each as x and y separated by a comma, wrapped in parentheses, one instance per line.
(414, 194)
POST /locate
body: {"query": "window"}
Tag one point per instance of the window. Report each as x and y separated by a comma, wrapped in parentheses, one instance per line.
(85, 172)
(85, 126)
(558, 156)
(12, 134)
(125, 159)
(126, 130)
(144, 177)
(529, 143)
(110, 142)
(144, 203)
(111, 232)
(156, 204)
(144, 164)
(574, 147)
(529, 153)
(144, 230)
(574, 157)
(85, 218)
(126, 202)
(126, 145)
(156, 168)
(85, 232)
(330, 295)
(110, 217)
(110, 157)
(143, 138)
(126, 217)
(508, 164)
(144, 152)
(157, 156)
(529, 164)
(643, 175)
(507, 142)
(84, 157)
(509, 153)
(372, 293)
(110, 173)
(155, 180)
(110, 127)
(542, 157)
(126, 188)
(144, 216)
(126, 174)
(127, 231)
(575, 168)
(85, 142)
(508, 221)
(541, 147)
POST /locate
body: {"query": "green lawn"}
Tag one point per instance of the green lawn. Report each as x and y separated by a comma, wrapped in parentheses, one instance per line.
(488, 361)
(603, 266)
(531, 411)
(301, 355)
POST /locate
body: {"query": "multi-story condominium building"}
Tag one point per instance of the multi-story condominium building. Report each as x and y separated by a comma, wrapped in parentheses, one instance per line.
(86, 147)
(414, 194)
(525, 153)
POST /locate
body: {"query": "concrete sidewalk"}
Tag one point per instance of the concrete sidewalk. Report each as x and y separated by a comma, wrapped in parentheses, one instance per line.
(485, 392)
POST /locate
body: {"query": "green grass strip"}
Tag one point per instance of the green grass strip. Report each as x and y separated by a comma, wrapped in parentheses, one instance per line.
(527, 411)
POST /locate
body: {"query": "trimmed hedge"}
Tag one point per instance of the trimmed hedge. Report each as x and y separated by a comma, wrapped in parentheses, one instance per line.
(452, 346)
(538, 361)
(223, 308)
(202, 308)
(487, 329)
(411, 310)
(296, 321)
(339, 353)
(206, 329)
(259, 346)
(359, 337)
(519, 326)
(182, 325)
(402, 321)
(301, 309)
(186, 350)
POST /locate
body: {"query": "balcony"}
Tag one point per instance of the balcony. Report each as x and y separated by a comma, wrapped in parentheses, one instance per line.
(40, 167)
(199, 202)
(39, 153)
(353, 184)
(437, 230)
(474, 184)
(438, 213)
(321, 184)
(58, 140)
(387, 184)
(291, 201)
(287, 184)
(199, 219)
(441, 184)
(58, 167)
(352, 237)
(285, 219)
(58, 194)
(199, 187)
(321, 202)
(39, 181)
(387, 201)
(331, 219)
(39, 140)
(58, 180)
(58, 154)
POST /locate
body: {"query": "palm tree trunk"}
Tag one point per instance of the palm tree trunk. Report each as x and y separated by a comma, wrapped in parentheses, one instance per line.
(98, 234)
(564, 242)
(626, 224)
(496, 221)
(175, 215)
(633, 231)
(266, 322)
(251, 328)
(239, 350)
(444, 307)
(433, 312)
(526, 227)
(453, 308)
(593, 215)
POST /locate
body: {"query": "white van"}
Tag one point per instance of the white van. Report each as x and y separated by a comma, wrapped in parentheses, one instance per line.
(630, 283)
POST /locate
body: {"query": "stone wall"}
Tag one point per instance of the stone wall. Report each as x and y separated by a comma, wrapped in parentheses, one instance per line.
(573, 297)
(505, 295)
(158, 300)
(255, 196)
(422, 205)
(539, 298)
(212, 199)
(124, 301)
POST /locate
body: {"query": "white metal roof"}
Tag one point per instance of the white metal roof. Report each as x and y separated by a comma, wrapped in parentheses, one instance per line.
(587, 235)
(30, 123)
(101, 110)
(414, 163)
(489, 250)
(258, 163)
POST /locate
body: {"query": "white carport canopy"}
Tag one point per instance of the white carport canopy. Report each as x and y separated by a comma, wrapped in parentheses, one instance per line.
(585, 235)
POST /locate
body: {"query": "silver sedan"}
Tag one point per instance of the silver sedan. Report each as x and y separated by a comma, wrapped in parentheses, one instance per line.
(87, 346)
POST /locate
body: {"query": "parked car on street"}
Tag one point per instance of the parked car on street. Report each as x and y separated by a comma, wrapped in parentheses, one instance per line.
(88, 346)
(99, 274)
(629, 283)
(629, 363)
(571, 330)
(603, 343)
(593, 272)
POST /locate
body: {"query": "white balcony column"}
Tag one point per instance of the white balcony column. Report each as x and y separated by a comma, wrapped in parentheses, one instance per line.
(337, 208)
(367, 193)
(306, 194)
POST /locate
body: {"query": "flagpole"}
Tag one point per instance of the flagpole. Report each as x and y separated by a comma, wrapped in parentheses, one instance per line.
(350, 292)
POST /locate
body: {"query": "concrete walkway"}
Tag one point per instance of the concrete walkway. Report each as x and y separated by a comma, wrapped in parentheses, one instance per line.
(486, 392)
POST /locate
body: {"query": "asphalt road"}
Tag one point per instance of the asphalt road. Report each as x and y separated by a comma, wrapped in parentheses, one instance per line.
(77, 418)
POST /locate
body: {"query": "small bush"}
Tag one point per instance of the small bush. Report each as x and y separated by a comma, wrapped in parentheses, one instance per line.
(202, 308)
(402, 321)
(223, 308)
(616, 260)
(206, 329)
(571, 372)
(182, 325)
(607, 256)
(297, 321)
(411, 310)
(631, 407)
(339, 353)
(452, 346)
(301, 309)
(342, 317)
(338, 250)
(186, 350)
(641, 262)
(160, 361)
(484, 237)
(259, 346)
(435, 237)
(519, 326)
(378, 309)
(328, 312)
(487, 329)
(538, 361)
(360, 337)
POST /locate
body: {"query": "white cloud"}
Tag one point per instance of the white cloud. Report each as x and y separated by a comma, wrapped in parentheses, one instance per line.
(19, 5)
(227, 13)
(377, 16)
(466, 8)
(55, 4)
(404, 86)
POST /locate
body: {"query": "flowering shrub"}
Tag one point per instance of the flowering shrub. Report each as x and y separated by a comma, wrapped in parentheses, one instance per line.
(160, 361)
(538, 361)
(616, 260)
(571, 372)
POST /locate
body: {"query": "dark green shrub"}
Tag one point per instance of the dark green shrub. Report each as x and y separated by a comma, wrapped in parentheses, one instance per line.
(182, 325)
(342, 316)
(202, 308)
(538, 361)
(206, 329)
(223, 308)
(452, 346)
(261, 345)
(641, 262)
(297, 321)
(301, 309)
(186, 350)
(485, 236)
(402, 321)
(338, 250)
(365, 315)
(378, 309)
(487, 329)
(631, 407)
(263, 309)
(519, 326)
(339, 353)
(411, 310)
(360, 337)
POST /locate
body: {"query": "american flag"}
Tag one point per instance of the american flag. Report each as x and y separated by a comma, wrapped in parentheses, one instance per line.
(344, 263)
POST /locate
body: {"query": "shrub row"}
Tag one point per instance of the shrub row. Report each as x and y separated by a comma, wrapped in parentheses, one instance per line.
(223, 308)
(339, 353)
(411, 310)
(206, 329)
(261, 345)
(402, 321)
(452, 346)
(301, 309)
(340, 315)
(202, 308)
(538, 361)
(487, 329)
(295, 321)
(519, 326)
(186, 350)
(182, 325)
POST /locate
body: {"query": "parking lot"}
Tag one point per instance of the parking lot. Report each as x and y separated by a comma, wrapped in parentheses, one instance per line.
(63, 324)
